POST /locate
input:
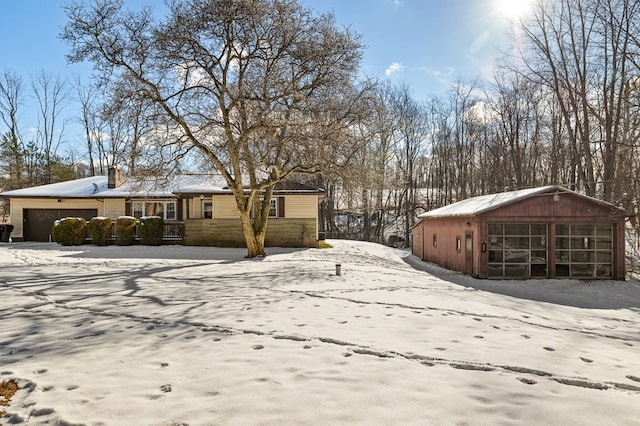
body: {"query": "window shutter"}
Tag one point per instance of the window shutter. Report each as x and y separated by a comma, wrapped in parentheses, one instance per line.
(281, 207)
(127, 209)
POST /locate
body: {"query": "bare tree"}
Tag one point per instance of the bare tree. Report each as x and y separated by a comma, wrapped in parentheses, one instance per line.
(583, 52)
(11, 146)
(515, 115)
(88, 98)
(412, 131)
(52, 95)
(261, 88)
(384, 124)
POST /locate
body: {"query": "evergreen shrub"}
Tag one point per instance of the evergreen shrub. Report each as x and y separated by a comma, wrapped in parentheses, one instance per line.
(99, 229)
(151, 230)
(69, 231)
(125, 230)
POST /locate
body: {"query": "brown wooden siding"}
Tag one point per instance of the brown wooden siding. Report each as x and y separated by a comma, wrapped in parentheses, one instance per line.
(447, 231)
(568, 208)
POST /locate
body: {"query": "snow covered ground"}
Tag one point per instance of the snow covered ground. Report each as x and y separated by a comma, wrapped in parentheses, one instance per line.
(179, 335)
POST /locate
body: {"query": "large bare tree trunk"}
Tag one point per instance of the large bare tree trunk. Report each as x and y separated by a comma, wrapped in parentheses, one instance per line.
(262, 89)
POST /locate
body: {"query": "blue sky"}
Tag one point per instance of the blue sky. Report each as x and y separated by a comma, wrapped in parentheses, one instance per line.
(425, 43)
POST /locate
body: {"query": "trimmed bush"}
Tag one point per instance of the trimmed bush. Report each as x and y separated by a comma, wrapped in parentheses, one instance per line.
(125, 230)
(150, 231)
(69, 231)
(99, 229)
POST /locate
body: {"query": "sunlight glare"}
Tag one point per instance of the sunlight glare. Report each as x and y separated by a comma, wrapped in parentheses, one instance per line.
(512, 9)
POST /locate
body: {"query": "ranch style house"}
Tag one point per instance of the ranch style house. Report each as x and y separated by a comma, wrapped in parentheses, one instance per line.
(197, 209)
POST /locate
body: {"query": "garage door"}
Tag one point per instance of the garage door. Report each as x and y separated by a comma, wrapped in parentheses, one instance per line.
(39, 222)
(517, 250)
(584, 251)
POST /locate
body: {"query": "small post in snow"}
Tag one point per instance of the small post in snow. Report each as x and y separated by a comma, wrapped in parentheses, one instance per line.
(338, 269)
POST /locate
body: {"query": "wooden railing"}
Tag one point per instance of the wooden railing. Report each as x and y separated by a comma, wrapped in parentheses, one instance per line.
(173, 232)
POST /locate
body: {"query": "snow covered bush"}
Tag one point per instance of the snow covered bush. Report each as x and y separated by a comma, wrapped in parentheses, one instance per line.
(125, 230)
(69, 231)
(151, 229)
(99, 229)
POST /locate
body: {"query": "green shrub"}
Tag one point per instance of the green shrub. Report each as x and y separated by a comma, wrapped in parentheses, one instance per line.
(99, 229)
(70, 231)
(125, 230)
(150, 231)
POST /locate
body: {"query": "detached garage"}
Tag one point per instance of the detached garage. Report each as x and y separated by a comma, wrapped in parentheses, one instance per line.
(546, 232)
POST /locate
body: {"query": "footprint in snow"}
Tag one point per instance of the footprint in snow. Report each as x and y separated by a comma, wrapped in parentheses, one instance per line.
(165, 388)
(587, 360)
(548, 348)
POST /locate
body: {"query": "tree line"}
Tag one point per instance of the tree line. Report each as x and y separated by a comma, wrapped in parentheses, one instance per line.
(272, 91)
(562, 108)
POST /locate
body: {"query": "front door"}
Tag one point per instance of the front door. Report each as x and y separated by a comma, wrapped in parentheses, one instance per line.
(468, 253)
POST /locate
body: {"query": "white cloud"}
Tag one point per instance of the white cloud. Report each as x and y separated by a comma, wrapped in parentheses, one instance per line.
(394, 68)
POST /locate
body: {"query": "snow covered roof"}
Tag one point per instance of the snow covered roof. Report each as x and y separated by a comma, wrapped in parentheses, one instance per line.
(79, 188)
(158, 187)
(484, 203)
(148, 187)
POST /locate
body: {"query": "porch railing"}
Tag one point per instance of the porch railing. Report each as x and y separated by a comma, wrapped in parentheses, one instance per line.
(173, 232)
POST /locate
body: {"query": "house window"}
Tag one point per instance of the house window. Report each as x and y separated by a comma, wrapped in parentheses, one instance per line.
(207, 209)
(435, 240)
(164, 209)
(170, 211)
(137, 209)
(458, 244)
(273, 210)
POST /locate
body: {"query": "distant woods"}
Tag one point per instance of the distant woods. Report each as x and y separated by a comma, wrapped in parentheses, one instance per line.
(562, 107)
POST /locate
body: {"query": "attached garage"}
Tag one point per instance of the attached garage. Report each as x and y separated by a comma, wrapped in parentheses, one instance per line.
(38, 223)
(547, 232)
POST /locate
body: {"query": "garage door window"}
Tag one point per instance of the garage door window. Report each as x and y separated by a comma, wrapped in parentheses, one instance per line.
(584, 251)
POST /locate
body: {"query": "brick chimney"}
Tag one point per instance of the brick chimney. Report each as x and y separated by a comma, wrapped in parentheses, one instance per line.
(115, 177)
